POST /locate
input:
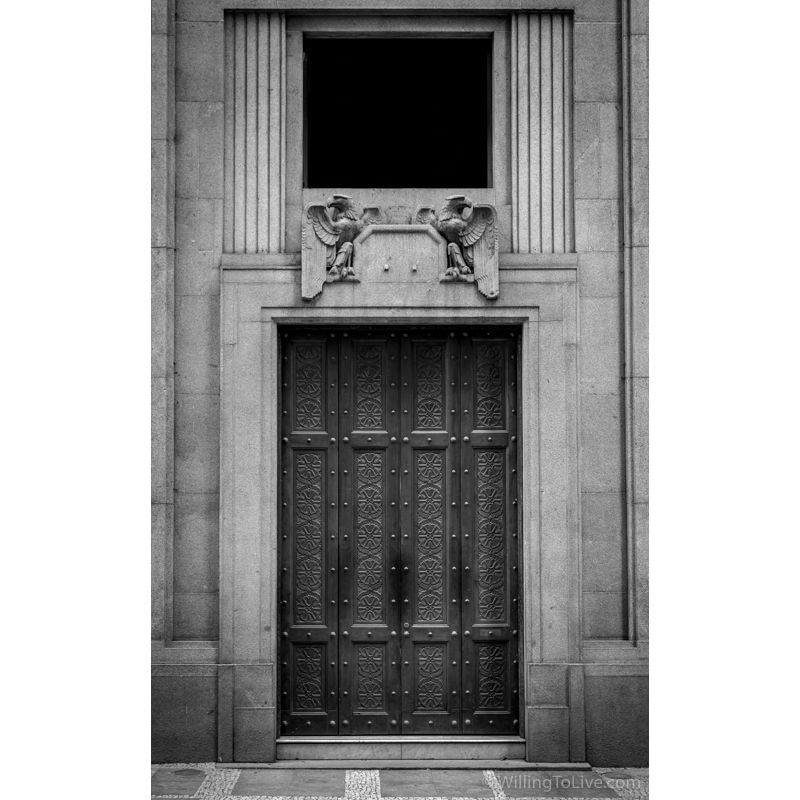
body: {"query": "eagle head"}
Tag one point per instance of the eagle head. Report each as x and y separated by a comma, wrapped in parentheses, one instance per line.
(454, 205)
(343, 205)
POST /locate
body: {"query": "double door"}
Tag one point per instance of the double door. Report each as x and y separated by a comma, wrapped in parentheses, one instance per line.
(399, 539)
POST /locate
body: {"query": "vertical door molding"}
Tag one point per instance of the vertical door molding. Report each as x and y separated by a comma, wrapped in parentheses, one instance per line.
(541, 148)
(255, 133)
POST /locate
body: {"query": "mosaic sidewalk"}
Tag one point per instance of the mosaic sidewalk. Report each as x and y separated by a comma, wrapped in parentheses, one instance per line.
(207, 782)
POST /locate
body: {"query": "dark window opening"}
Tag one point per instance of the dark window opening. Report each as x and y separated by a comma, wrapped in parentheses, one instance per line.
(394, 113)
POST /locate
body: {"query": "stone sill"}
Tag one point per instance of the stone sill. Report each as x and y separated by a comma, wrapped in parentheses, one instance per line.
(291, 261)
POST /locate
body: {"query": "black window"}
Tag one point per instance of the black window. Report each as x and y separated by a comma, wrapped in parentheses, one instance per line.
(389, 113)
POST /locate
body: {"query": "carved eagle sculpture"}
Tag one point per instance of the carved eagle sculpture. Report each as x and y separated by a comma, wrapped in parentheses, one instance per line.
(328, 240)
(471, 242)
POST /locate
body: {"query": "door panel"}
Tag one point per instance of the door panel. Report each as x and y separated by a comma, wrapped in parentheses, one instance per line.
(489, 535)
(399, 542)
(428, 490)
(369, 580)
(309, 555)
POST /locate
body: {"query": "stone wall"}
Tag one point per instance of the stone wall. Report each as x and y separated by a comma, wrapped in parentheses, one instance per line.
(609, 183)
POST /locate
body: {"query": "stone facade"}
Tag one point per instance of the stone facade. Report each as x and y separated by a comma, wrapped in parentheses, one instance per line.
(227, 201)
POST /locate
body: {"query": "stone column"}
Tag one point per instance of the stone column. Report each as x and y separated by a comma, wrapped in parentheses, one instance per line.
(541, 134)
(255, 133)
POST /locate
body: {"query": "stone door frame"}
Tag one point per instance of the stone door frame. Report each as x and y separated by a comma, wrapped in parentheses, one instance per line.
(256, 303)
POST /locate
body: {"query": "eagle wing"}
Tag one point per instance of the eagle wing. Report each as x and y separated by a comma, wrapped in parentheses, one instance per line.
(320, 238)
(321, 224)
(479, 242)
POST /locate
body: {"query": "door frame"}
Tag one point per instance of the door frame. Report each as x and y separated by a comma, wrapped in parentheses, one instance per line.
(255, 303)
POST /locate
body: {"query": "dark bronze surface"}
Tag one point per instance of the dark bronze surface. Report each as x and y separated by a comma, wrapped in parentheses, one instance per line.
(399, 542)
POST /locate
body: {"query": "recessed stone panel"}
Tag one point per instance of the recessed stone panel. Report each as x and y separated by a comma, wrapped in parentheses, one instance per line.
(601, 348)
(394, 254)
(195, 616)
(602, 442)
(605, 615)
(196, 443)
(196, 545)
(604, 541)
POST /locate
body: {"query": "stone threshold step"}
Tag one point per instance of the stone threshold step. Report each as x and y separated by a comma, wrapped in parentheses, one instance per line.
(515, 764)
(400, 739)
(406, 748)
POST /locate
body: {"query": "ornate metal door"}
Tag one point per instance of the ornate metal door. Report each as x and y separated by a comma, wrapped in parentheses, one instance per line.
(399, 533)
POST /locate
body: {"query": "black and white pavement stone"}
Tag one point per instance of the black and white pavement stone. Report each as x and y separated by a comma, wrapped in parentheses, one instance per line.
(206, 781)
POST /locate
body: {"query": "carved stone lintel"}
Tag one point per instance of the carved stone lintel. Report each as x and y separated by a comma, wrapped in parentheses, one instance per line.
(338, 245)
